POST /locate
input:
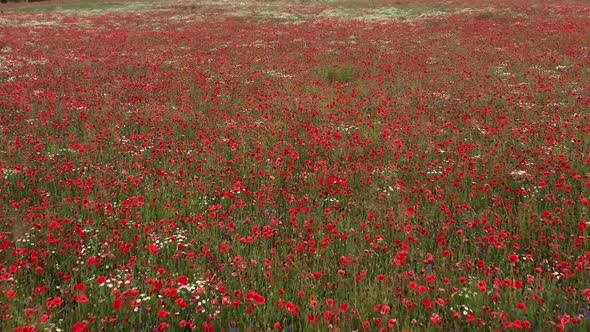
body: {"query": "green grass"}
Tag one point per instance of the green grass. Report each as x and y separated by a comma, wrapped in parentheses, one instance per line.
(341, 73)
(79, 6)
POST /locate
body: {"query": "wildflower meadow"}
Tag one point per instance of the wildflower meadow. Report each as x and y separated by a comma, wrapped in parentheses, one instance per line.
(344, 165)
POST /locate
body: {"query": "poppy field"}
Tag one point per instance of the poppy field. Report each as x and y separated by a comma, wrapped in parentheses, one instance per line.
(341, 165)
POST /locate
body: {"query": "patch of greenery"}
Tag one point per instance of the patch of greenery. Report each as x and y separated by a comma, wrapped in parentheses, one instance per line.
(79, 6)
(336, 73)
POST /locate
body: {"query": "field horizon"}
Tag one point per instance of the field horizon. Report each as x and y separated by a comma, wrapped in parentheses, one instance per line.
(345, 165)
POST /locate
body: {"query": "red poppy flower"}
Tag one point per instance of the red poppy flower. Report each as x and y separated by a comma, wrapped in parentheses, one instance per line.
(80, 327)
(329, 302)
(118, 304)
(513, 257)
(435, 319)
(163, 313)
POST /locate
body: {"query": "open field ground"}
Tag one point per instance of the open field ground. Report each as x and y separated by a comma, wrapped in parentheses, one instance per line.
(295, 166)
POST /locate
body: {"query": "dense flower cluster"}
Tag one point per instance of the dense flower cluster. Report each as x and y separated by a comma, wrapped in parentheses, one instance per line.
(344, 165)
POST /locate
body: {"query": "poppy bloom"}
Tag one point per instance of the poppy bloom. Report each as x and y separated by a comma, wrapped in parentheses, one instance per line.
(513, 257)
(435, 319)
(259, 299)
(118, 304)
(163, 313)
(80, 327)
(54, 302)
(180, 302)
